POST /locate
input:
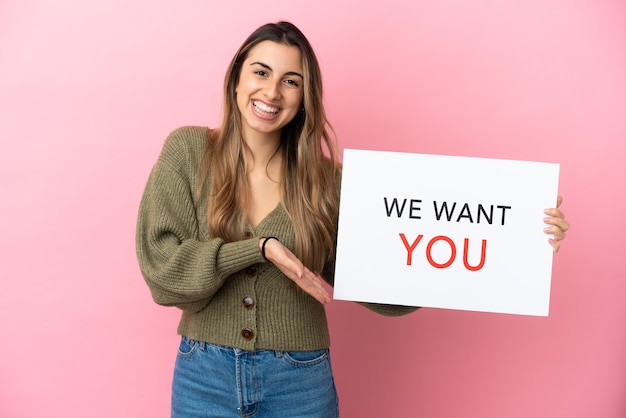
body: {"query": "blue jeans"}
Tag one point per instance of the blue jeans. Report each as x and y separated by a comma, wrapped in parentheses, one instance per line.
(217, 381)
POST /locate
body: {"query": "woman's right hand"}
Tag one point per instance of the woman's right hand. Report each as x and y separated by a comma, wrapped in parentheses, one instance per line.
(292, 267)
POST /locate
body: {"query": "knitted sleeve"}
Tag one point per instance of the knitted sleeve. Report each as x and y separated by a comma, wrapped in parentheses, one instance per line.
(180, 268)
(390, 310)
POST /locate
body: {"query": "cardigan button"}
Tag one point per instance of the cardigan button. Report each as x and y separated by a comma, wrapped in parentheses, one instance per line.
(247, 235)
(251, 271)
(247, 302)
(247, 334)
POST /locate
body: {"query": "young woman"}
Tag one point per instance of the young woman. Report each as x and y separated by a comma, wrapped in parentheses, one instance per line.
(237, 228)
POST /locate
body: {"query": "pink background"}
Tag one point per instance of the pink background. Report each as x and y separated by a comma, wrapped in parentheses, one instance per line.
(89, 90)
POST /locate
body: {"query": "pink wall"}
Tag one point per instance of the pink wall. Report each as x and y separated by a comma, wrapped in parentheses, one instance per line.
(89, 90)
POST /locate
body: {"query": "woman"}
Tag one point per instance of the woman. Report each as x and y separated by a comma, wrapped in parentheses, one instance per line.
(237, 228)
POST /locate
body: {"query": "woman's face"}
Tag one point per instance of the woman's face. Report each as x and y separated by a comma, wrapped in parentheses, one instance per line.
(270, 89)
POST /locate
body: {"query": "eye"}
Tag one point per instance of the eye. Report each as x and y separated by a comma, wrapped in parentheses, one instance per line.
(260, 73)
(292, 82)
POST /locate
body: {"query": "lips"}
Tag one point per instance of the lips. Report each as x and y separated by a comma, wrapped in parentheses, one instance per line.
(264, 109)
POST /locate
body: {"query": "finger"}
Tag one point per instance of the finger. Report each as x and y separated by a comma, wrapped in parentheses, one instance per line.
(556, 228)
(322, 297)
(559, 200)
(320, 292)
(298, 272)
(313, 285)
(293, 268)
(556, 245)
(554, 212)
(557, 234)
(559, 223)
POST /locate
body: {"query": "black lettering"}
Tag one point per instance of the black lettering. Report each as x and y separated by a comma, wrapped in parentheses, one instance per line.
(394, 204)
(444, 206)
(465, 213)
(504, 208)
(413, 208)
(489, 217)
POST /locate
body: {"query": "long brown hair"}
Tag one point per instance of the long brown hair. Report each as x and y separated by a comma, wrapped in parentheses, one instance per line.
(309, 186)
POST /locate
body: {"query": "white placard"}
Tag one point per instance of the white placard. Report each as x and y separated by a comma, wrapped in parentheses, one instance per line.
(445, 232)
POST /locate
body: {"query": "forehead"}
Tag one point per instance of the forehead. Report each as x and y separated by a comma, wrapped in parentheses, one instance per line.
(279, 57)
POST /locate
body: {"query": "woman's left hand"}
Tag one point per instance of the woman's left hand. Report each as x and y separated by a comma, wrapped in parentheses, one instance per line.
(557, 225)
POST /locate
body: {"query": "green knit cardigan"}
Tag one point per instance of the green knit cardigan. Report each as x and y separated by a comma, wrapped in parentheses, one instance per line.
(228, 293)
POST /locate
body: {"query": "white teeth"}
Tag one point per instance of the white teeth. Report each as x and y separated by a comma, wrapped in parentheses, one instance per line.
(265, 108)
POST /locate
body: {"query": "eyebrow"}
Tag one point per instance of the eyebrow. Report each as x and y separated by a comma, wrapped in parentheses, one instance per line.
(270, 68)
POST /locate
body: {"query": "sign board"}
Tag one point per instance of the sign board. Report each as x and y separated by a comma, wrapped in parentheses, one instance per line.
(445, 232)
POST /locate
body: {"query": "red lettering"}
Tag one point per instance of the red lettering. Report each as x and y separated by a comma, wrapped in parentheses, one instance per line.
(482, 255)
(430, 246)
(410, 248)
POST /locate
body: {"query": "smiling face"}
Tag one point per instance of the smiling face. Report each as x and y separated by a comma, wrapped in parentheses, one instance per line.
(270, 89)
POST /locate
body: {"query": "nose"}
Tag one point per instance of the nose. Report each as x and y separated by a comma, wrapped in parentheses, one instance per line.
(272, 90)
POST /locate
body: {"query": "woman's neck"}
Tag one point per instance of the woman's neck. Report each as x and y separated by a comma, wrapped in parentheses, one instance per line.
(264, 163)
(262, 152)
